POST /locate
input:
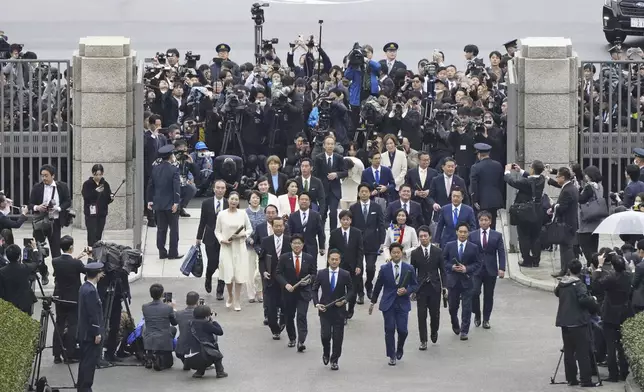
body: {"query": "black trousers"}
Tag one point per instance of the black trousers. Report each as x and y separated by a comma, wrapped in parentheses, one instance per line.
(356, 280)
(529, 243)
(66, 319)
(332, 203)
(111, 340)
(589, 244)
(615, 351)
(212, 252)
(566, 255)
(332, 329)
(576, 341)
(370, 269)
(428, 300)
(167, 220)
(161, 359)
(95, 225)
(52, 237)
(273, 305)
(295, 304)
(90, 354)
(488, 283)
(198, 363)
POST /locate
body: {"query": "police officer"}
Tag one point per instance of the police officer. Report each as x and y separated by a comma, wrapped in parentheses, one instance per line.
(90, 326)
(511, 48)
(486, 182)
(164, 197)
(638, 153)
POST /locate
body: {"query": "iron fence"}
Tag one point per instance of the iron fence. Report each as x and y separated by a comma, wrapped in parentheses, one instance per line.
(35, 124)
(611, 103)
(139, 204)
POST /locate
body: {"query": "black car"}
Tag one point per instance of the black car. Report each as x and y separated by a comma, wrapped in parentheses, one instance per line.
(622, 18)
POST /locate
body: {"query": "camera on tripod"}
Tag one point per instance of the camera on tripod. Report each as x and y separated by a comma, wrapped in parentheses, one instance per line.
(191, 59)
(258, 13)
(117, 257)
(429, 69)
(356, 55)
(267, 44)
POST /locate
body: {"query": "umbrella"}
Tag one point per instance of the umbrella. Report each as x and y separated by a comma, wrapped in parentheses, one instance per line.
(627, 222)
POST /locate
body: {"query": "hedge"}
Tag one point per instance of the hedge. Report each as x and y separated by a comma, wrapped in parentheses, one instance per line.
(18, 340)
(633, 341)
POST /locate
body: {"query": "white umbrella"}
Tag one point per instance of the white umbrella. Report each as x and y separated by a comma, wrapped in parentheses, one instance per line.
(627, 222)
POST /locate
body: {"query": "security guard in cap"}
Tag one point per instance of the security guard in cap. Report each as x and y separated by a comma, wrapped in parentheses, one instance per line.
(638, 153)
(486, 182)
(223, 51)
(164, 196)
(391, 50)
(90, 326)
(511, 48)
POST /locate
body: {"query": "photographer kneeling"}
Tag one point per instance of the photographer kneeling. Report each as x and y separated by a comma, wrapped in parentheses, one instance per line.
(159, 330)
(203, 350)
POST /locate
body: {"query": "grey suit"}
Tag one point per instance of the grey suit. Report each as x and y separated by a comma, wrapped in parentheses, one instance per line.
(184, 317)
(157, 335)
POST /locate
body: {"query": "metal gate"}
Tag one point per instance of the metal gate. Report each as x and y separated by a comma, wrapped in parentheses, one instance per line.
(35, 124)
(610, 117)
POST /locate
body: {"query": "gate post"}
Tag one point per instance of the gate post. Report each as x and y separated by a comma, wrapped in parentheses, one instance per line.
(547, 71)
(104, 76)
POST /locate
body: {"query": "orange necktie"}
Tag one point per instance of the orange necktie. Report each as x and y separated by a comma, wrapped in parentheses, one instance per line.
(297, 265)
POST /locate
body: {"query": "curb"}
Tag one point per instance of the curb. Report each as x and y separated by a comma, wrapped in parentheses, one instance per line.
(512, 264)
(631, 385)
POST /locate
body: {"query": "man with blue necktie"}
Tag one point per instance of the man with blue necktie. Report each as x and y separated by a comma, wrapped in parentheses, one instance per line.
(379, 177)
(462, 261)
(450, 216)
(397, 280)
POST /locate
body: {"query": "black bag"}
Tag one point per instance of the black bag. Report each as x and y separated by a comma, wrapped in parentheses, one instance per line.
(521, 213)
(42, 223)
(555, 233)
(594, 209)
(209, 351)
(197, 268)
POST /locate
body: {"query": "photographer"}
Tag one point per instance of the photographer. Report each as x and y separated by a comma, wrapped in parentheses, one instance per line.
(363, 74)
(307, 63)
(203, 162)
(159, 330)
(283, 116)
(634, 187)
(188, 171)
(491, 135)
(573, 317)
(295, 153)
(15, 284)
(339, 120)
(204, 329)
(8, 222)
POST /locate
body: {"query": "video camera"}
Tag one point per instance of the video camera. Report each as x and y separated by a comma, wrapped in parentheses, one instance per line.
(356, 55)
(191, 60)
(476, 67)
(267, 44)
(257, 13)
(475, 125)
(117, 257)
(161, 58)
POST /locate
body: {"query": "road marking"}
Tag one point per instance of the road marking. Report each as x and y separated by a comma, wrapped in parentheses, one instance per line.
(319, 2)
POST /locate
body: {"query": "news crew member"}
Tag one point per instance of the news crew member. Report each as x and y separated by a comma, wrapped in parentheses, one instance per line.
(330, 169)
(97, 195)
(53, 198)
(15, 283)
(205, 330)
(573, 317)
(119, 280)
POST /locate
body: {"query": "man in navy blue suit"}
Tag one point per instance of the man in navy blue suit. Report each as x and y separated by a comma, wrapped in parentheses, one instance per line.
(329, 167)
(486, 182)
(493, 264)
(414, 209)
(420, 180)
(442, 186)
(309, 224)
(450, 216)
(462, 262)
(379, 177)
(90, 329)
(397, 280)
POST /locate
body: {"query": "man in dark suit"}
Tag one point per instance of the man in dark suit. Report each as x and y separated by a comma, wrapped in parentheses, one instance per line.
(52, 198)
(184, 318)
(566, 210)
(210, 207)
(450, 216)
(262, 231)
(349, 242)
(309, 224)
(90, 327)
(414, 210)
(486, 182)
(336, 283)
(330, 169)
(438, 194)
(420, 180)
(397, 280)
(67, 278)
(311, 185)
(271, 249)
(159, 330)
(530, 190)
(428, 262)
(154, 140)
(393, 65)
(164, 196)
(462, 261)
(379, 177)
(369, 218)
(492, 248)
(15, 285)
(173, 105)
(292, 270)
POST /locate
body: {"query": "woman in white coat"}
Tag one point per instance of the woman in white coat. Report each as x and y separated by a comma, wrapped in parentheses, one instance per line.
(233, 257)
(394, 159)
(287, 203)
(351, 182)
(402, 234)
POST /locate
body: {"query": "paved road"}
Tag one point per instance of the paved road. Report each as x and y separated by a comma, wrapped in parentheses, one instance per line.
(418, 26)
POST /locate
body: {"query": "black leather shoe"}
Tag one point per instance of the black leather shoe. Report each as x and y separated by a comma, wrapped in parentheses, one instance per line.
(208, 285)
(220, 296)
(301, 347)
(152, 223)
(486, 324)
(334, 366)
(399, 353)
(588, 384)
(265, 321)
(74, 360)
(175, 257)
(222, 374)
(276, 336)
(525, 264)
(612, 379)
(350, 315)
(573, 383)
(392, 361)
(360, 300)
(57, 360)
(423, 346)
(291, 343)
(477, 321)
(456, 329)
(163, 256)
(434, 337)
(464, 336)
(184, 214)
(325, 360)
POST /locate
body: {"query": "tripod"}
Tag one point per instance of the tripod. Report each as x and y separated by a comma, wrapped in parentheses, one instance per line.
(258, 16)
(46, 316)
(232, 129)
(275, 128)
(110, 297)
(592, 358)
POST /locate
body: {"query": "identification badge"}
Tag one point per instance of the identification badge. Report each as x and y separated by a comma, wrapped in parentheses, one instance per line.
(92, 210)
(463, 147)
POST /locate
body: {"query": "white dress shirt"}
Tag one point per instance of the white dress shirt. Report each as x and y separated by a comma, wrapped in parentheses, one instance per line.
(448, 184)
(47, 197)
(422, 173)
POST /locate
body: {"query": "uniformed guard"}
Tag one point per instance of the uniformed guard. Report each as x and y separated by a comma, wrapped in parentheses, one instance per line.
(510, 48)
(486, 182)
(638, 153)
(391, 51)
(223, 51)
(164, 196)
(90, 326)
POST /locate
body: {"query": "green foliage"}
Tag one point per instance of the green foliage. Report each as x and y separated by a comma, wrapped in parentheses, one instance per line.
(18, 340)
(633, 341)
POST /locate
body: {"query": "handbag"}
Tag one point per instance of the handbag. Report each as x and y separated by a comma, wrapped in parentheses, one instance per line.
(209, 351)
(594, 209)
(189, 261)
(42, 223)
(197, 267)
(555, 232)
(524, 212)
